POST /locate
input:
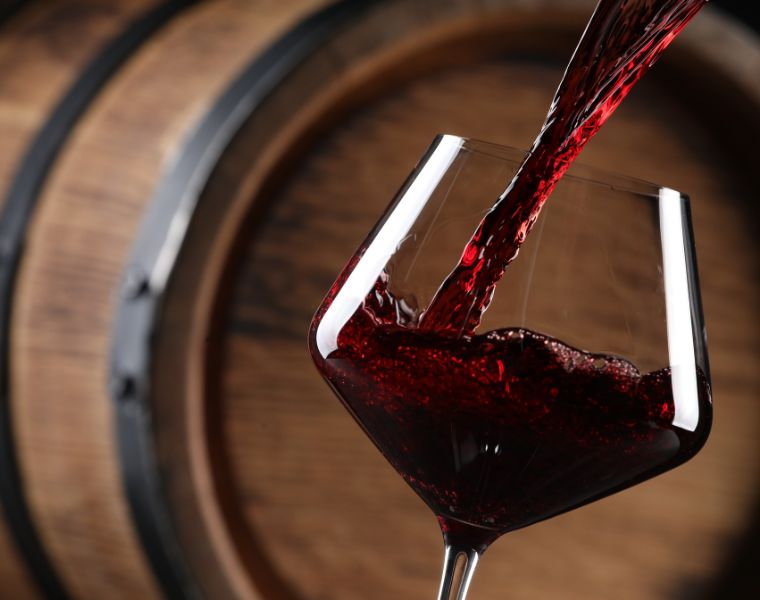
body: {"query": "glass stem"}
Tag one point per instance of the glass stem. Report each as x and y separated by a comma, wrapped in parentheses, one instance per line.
(459, 565)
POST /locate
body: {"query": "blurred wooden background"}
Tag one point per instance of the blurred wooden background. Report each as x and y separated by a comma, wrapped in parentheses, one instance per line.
(182, 183)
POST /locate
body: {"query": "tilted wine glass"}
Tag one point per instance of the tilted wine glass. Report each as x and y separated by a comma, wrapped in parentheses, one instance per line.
(588, 374)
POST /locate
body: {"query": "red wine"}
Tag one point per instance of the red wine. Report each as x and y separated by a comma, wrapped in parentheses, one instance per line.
(622, 41)
(501, 430)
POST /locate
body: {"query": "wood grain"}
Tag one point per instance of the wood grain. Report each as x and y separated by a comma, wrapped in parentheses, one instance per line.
(43, 48)
(77, 248)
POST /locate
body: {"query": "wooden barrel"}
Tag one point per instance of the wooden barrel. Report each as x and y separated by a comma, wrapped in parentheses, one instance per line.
(168, 432)
(53, 58)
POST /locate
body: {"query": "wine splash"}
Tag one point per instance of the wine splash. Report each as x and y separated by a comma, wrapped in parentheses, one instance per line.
(501, 430)
(622, 41)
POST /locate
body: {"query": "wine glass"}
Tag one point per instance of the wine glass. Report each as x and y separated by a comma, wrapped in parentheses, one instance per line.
(589, 371)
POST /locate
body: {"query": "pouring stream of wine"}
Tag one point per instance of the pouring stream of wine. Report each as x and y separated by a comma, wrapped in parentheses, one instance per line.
(622, 41)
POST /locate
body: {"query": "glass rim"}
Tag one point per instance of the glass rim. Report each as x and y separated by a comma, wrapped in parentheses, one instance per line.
(671, 211)
(578, 171)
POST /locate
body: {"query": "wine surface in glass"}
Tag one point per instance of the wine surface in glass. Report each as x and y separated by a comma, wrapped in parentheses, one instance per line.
(505, 429)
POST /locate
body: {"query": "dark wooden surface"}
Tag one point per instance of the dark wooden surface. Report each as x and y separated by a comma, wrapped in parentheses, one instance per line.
(76, 251)
(43, 48)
